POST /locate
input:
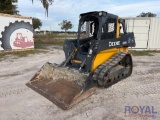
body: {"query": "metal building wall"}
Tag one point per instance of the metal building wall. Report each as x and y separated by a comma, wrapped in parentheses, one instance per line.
(154, 35)
(146, 31)
(140, 27)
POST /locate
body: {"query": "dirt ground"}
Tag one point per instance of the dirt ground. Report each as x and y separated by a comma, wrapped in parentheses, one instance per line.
(18, 102)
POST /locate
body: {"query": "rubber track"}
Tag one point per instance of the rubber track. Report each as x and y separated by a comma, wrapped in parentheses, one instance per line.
(101, 71)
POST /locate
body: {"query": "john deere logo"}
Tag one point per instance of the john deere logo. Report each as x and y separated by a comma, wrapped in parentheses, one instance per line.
(114, 43)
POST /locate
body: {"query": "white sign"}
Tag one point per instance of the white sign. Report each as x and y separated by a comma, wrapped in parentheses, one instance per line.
(16, 32)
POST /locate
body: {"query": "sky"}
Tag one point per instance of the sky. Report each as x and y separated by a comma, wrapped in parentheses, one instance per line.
(70, 9)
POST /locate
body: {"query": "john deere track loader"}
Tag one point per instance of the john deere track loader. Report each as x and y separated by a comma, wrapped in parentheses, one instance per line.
(98, 57)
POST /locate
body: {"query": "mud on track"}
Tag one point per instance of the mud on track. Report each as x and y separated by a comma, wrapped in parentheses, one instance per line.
(18, 102)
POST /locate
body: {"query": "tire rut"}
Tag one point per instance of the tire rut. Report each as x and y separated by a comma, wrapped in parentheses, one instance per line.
(13, 92)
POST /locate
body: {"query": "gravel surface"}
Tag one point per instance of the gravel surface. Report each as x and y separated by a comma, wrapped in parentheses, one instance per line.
(18, 102)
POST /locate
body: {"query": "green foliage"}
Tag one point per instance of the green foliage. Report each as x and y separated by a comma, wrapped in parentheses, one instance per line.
(9, 7)
(36, 23)
(148, 14)
(65, 25)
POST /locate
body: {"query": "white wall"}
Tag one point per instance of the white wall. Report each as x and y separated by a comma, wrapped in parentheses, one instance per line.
(146, 31)
(154, 35)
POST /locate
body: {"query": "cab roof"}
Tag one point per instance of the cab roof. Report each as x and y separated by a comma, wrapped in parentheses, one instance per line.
(96, 13)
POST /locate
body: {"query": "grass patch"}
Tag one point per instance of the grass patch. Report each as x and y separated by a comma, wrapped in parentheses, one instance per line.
(21, 53)
(53, 42)
(143, 53)
(41, 41)
(27, 52)
(56, 39)
(154, 51)
(2, 55)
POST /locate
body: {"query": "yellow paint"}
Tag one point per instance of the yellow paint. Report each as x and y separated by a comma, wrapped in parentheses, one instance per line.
(77, 61)
(75, 52)
(118, 29)
(107, 54)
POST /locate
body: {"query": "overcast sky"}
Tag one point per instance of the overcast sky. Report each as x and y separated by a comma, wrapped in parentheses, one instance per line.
(70, 10)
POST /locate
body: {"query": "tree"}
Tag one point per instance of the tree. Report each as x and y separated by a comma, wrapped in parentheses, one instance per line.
(36, 23)
(9, 7)
(65, 25)
(148, 14)
(46, 4)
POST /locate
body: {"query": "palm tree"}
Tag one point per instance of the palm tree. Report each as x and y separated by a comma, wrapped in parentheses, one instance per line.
(46, 4)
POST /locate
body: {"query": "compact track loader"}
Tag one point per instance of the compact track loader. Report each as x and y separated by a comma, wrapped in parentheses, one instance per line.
(98, 57)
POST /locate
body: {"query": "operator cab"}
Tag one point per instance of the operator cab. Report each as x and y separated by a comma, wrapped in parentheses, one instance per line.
(97, 31)
(88, 27)
(95, 26)
(87, 31)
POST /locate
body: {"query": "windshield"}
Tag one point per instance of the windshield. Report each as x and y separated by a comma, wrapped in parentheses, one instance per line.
(88, 27)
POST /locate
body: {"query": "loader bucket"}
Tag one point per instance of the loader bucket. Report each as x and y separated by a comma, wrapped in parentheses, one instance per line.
(62, 86)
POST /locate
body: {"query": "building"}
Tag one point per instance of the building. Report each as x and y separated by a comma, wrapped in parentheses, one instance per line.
(146, 31)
